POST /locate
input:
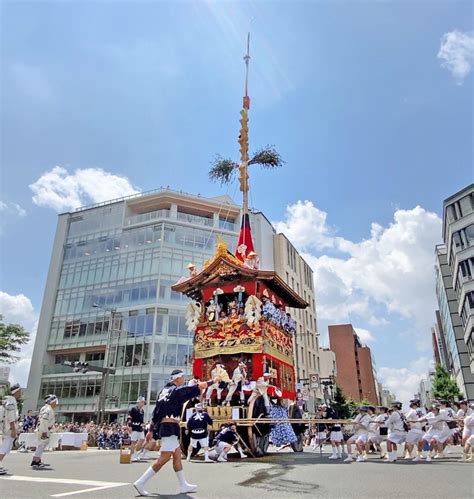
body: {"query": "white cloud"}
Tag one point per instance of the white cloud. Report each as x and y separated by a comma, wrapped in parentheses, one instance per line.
(12, 208)
(365, 335)
(457, 53)
(18, 309)
(404, 382)
(63, 191)
(306, 226)
(391, 271)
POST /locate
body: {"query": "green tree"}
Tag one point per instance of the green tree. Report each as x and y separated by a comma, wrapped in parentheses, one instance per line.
(12, 337)
(444, 387)
(346, 407)
(342, 405)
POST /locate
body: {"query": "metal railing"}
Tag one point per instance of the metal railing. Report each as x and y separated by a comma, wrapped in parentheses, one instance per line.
(145, 217)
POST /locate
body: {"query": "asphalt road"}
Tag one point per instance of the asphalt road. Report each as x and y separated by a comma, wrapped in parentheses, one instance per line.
(96, 474)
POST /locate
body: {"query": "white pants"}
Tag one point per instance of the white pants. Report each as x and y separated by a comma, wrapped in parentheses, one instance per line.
(203, 442)
(397, 437)
(232, 389)
(169, 444)
(40, 446)
(255, 394)
(414, 436)
(7, 444)
(137, 435)
(213, 387)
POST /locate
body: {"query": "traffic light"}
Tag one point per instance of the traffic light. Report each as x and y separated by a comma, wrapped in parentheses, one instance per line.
(244, 135)
(81, 367)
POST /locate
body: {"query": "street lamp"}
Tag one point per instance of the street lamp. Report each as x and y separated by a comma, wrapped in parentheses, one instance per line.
(108, 370)
(84, 368)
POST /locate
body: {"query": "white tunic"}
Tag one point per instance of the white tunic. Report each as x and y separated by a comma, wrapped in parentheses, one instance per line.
(11, 414)
(363, 421)
(261, 386)
(238, 375)
(46, 420)
(412, 417)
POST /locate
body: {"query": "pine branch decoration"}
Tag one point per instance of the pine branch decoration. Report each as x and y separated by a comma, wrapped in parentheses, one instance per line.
(223, 170)
(268, 157)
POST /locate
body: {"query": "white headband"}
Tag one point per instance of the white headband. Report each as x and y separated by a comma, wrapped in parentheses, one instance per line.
(176, 376)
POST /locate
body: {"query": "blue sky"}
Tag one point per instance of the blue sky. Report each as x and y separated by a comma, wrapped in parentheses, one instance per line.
(370, 121)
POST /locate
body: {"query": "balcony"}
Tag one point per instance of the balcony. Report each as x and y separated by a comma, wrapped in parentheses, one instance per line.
(195, 219)
(60, 369)
(146, 217)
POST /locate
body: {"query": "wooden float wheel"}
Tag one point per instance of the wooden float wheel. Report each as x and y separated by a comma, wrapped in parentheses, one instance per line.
(299, 444)
(186, 439)
(258, 435)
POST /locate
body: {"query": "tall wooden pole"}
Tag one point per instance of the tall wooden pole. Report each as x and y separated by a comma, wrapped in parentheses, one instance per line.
(243, 136)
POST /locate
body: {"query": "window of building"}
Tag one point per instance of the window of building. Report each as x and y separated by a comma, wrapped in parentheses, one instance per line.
(470, 343)
(94, 356)
(469, 231)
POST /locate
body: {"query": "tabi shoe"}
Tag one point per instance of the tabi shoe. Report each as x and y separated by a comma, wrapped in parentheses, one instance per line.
(40, 466)
(188, 487)
(139, 488)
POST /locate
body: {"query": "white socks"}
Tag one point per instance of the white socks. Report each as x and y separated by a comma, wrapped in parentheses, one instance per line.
(184, 485)
(149, 473)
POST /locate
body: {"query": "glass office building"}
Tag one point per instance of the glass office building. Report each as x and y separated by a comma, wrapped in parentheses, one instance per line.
(118, 260)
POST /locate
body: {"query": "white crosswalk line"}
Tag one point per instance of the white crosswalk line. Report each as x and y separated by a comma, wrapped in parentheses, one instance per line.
(93, 485)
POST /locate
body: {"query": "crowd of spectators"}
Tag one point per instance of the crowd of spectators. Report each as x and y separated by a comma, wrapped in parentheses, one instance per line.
(105, 436)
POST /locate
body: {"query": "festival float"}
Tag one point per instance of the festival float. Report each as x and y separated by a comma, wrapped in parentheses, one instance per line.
(238, 315)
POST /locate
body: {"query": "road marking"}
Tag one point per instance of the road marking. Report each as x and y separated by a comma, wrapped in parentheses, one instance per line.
(89, 490)
(94, 485)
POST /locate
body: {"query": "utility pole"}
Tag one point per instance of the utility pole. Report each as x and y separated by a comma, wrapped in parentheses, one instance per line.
(105, 377)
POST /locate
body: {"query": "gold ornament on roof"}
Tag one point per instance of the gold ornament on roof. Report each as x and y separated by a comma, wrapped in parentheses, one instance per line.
(222, 250)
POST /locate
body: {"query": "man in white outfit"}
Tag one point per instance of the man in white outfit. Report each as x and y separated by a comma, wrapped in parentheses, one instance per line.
(238, 377)
(361, 424)
(397, 434)
(9, 418)
(414, 438)
(438, 431)
(468, 433)
(261, 388)
(46, 421)
(449, 417)
(220, 377)
(463, 415)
